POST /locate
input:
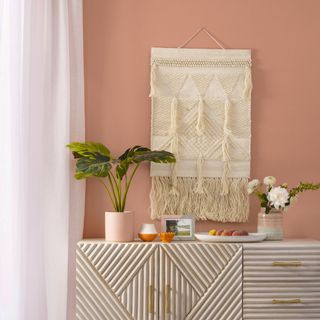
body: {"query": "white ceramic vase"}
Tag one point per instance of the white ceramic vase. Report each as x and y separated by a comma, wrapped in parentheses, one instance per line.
(148, 232)
(148, 228)
(119, 226)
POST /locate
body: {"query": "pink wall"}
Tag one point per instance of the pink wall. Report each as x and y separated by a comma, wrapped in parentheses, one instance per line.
(284, 38)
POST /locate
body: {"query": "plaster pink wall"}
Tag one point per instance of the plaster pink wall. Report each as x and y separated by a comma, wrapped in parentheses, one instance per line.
(284, 38)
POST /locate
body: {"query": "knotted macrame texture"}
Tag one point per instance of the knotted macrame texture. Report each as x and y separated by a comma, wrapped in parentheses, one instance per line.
(201, 101)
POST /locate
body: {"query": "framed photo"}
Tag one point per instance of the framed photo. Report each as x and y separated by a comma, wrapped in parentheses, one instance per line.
(182, 226)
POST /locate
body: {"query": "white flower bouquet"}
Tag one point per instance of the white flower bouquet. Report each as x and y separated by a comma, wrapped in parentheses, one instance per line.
(280, 197)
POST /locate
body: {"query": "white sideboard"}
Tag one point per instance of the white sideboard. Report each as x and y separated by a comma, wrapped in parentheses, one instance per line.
(198, 281)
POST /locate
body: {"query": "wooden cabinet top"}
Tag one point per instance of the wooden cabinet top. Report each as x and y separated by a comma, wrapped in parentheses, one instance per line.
(262, 244)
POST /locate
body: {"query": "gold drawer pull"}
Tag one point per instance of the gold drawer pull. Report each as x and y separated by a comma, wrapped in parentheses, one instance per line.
(287, 263)
(292, 301)
(167, 299)
(151, 299)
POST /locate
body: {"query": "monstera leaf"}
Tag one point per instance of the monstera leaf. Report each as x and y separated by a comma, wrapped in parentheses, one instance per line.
(93, 159)
(138, 154)
(87, 149)
(98, 166)
(155, 156)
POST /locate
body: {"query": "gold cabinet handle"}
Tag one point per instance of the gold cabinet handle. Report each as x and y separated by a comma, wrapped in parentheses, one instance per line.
(291, 301)
(151, 299)
(167, 298)
(287, 263)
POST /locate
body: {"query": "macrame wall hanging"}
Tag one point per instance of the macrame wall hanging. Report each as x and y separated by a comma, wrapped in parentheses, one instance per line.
(201, 101)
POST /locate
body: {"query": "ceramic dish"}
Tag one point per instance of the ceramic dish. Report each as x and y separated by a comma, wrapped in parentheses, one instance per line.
(252, 237)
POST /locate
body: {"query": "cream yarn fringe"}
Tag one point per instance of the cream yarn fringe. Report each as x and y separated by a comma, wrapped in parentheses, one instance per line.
(211, 203)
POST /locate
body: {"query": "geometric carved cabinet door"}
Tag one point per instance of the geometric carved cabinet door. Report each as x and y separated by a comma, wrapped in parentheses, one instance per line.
(117, 281)
(200, 281)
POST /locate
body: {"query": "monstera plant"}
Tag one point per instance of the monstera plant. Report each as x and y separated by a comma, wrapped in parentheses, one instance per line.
(95, 160)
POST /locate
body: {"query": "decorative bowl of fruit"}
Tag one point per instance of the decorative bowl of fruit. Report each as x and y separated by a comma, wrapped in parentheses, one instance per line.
(225, 235)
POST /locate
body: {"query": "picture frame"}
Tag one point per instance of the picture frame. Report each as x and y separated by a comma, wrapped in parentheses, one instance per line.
(182, 225)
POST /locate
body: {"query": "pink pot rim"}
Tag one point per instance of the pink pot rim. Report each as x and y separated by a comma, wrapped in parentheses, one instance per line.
(119, 212)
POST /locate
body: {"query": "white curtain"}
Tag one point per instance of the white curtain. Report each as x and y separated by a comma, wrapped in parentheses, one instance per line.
(41, 110)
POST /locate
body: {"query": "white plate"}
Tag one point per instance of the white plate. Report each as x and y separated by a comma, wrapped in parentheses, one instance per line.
(252, 237)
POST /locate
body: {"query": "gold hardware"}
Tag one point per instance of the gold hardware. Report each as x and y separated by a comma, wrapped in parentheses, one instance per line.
(287, 263)
(167, 298)
(151, 299)
(292, 301)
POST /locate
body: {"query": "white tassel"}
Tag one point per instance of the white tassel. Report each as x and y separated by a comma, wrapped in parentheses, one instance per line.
(226, 171)
(173, 116)
(200, 122)
(174, 145)
(152, 79)
(247, 83)
(225, 148)
(199, 185)
(174, 178)
(227, 105)
(173, 128)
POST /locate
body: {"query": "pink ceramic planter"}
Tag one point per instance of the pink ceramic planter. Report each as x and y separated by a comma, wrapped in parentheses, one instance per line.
(119, 226)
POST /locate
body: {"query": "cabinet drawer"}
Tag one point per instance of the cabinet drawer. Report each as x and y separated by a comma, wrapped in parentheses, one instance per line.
(281, 301)
(265, 255)
(282, 264)
(280, 286)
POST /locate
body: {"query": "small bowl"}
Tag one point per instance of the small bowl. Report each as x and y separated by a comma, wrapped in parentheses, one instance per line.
(166, 236)
(147, 237)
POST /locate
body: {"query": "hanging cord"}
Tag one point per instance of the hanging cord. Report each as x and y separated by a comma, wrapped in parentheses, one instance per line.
(208, 33)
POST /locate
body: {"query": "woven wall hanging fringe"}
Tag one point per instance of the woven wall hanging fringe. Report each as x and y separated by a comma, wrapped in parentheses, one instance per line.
(201, 101)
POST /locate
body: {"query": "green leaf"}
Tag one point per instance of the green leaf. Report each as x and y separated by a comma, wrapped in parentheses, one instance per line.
(268, 209)
(264, 204)
(86, 149)
(122, 168)
(81, 175)
(125, 160)
(138, 154)
(303, 186)
(93, 159)
(129, 153)
(154, 156)
(97, 167)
